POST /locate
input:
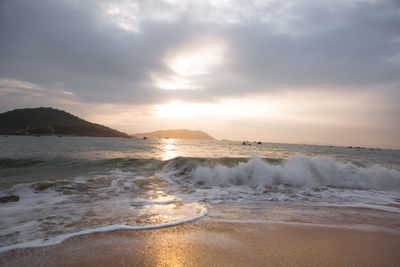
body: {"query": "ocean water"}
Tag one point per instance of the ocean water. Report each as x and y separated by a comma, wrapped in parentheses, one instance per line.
(76, 185)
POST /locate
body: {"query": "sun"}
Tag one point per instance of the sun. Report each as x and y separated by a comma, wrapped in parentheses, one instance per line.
(175, 109)
(178, 109)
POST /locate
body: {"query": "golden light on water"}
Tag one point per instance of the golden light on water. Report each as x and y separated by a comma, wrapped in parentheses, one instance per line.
(169, 149)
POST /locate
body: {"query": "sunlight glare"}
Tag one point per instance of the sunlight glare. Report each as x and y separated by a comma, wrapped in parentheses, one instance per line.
(196, 60)
(178, 109)
(190, 62)
(246, 107)
(169, 149)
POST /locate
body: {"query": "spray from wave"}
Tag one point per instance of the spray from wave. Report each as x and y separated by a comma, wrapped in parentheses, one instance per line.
(297, 171)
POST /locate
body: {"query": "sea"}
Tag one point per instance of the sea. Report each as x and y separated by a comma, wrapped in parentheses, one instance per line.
(69, 186)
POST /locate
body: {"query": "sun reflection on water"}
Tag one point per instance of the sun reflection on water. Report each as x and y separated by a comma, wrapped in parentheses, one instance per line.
(168, 149)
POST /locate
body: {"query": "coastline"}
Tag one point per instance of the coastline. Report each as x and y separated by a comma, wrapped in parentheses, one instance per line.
(210, 243)
(65, 135)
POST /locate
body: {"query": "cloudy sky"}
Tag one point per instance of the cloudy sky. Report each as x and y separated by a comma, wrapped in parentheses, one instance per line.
(296, 71)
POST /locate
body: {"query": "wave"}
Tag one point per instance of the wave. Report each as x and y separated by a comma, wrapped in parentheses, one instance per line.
(297, 171)
(26, 162)
(12, 163)
(19, 163)
(59, 238)
(114, 200)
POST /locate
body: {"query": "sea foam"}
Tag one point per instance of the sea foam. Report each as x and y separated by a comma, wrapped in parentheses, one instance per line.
(298, 171)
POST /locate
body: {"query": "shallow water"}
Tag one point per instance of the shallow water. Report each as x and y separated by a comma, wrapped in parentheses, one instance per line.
(75, 185)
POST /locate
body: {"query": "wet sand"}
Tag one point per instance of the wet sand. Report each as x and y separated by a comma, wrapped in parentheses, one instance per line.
(207, 243)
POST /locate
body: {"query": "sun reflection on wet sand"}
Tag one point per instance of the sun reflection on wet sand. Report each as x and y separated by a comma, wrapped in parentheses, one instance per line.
(160, 208)
(171, 247)
(169, 149)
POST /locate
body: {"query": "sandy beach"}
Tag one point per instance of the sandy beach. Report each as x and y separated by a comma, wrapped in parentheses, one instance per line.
(205, 243)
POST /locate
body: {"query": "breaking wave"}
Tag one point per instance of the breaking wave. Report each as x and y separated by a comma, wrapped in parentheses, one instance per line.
(297, 171)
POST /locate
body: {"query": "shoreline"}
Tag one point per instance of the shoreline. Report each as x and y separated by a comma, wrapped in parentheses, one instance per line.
(65, 135)
(205, 243)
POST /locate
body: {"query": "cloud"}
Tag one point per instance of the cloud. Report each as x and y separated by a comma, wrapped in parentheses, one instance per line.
(110, 51)
(49, 42)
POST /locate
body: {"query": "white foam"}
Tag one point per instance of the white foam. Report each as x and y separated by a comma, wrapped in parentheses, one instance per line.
(299, 171)
(58, 239)
(49, 215)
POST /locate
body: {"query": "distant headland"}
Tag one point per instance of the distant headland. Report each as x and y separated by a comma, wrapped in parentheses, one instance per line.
(50, 121)
(177, 134)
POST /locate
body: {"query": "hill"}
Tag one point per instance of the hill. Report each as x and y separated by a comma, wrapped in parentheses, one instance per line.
(177, 134)
(49, 121)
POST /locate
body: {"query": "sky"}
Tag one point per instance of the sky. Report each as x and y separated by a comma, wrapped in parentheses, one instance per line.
(294, 71)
